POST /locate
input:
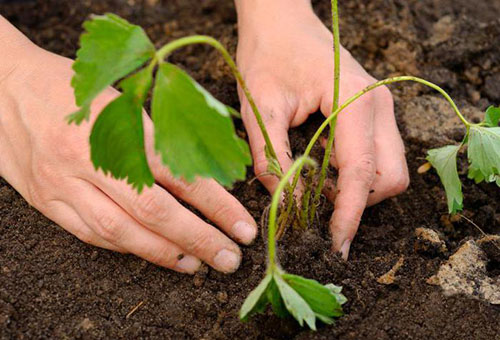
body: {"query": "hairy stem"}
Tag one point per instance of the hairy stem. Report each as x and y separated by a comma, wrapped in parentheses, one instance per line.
(361, 93)
(163, 52)
(271, 240)
(306, 199)
(335, 105)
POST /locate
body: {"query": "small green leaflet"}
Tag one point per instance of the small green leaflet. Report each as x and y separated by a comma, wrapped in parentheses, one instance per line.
(444, 160)
(295, 304)
(320, 298)
(277, 303)
(484, 154)
(110, 49)
(337, 291)
(117, 137)
(193, 131)
(304, 299)
(256, 300)
(492, 116)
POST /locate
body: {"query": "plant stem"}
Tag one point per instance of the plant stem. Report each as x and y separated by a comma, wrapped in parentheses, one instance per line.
(271, 241)
(361, 93)
(335, 105)
(306, 199)
(166, 50)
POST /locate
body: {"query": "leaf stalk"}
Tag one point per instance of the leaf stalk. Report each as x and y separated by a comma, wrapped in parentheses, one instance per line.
(349, 101)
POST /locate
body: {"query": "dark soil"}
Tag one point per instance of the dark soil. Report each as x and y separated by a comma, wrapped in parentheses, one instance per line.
(54, 286)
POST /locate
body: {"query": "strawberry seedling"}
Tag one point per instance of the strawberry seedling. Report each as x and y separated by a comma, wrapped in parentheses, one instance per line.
(304, 299)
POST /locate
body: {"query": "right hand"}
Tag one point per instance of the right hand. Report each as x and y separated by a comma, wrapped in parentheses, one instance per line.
(48, 162)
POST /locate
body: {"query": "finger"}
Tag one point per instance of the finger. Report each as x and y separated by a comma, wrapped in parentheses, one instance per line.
(356, 162)
(206, 195)
(329, 190)
(277, 124)
(215, 203)
(160, 212)
(66, 217)
(115, 226)
(392, 176)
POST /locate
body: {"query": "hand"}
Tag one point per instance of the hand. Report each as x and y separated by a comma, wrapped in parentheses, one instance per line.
(48, 162)
(285, 55)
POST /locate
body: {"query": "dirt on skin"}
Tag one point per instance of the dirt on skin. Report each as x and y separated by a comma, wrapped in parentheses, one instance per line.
(54, 286)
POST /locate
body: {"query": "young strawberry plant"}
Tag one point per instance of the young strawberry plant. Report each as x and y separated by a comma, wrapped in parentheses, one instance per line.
(305, 299)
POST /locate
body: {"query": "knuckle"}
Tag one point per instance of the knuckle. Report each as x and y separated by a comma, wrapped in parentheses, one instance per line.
(84, 235)
(222, 211)
(163, 256)
(34, 196)
(193, 189)
(397, 184)
(358, 83)
(364, 168)
(385, 96)
(107, 227)
(44, 171)
(199, 243)
(70, 148)
(38, 196)
(148, 208)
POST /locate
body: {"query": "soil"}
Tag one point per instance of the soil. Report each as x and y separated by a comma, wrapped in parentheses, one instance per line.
(54, 286)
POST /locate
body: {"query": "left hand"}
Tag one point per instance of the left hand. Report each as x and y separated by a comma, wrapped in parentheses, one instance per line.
(285, 55)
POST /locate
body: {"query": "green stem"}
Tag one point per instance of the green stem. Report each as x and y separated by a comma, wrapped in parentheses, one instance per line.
(361, 93)
(306, 198)
(166, 50)
(271, 241)
(335, 105)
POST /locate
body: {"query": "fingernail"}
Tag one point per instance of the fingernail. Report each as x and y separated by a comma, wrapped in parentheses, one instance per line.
(188, 264)
(244, 232)
(227, 261)
(345, 249)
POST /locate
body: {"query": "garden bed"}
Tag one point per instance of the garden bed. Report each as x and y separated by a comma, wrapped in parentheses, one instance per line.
(54, 286)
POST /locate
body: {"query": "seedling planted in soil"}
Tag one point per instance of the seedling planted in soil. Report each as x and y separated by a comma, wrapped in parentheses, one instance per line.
(195, 137)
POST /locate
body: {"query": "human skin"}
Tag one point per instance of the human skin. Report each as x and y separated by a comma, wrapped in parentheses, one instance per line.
(48, 162)
(286, 57)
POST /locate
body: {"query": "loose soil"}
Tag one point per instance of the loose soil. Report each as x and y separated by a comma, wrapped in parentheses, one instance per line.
(54, 286)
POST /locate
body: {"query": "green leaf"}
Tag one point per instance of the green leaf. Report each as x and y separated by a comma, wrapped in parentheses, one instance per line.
(320, 298)
(257, 299)
(484, 154)
(337, 291)
(233, 112)
(295, 304)
(274, 296)
(325, 319)
(110, 49)
(193, 131)
(492, 116)
(117, 137)
(444, 160)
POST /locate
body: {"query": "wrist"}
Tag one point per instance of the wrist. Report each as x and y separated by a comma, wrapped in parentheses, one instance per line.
(15, 48)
